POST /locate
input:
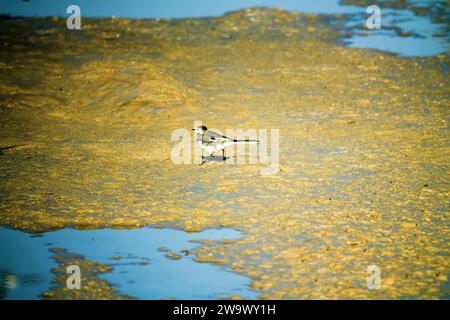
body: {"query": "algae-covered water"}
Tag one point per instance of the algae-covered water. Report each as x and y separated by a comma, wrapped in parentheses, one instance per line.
(86, 122)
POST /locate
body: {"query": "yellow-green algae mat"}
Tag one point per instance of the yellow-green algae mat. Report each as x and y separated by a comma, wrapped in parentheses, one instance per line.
(93, 287)
(364, 146)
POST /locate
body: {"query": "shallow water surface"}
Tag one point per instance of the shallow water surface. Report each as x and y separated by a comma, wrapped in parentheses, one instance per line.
(140, 267)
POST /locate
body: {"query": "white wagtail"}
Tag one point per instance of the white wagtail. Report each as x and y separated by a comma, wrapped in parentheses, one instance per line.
(212, 141)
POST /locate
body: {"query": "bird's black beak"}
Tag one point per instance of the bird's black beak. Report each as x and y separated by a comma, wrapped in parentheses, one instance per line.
(192, 129)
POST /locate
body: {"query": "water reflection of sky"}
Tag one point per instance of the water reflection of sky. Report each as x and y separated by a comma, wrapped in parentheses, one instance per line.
(425, 37)
(164, 8)
(143, 270)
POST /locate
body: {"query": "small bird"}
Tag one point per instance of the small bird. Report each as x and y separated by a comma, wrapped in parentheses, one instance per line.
(212, 141)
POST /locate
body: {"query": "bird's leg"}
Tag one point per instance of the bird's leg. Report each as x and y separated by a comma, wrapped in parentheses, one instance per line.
(223, 154)
(203, 159)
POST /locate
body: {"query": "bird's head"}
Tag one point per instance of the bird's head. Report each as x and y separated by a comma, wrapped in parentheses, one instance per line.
(200, 129)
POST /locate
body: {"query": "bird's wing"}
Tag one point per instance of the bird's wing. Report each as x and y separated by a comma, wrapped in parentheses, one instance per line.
(211, 135)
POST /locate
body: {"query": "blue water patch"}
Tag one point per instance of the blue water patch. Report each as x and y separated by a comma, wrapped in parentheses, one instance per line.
(140, 267)
(402, 32)
(164, 8)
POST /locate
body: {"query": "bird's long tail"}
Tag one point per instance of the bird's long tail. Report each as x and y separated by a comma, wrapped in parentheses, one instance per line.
(246, 141)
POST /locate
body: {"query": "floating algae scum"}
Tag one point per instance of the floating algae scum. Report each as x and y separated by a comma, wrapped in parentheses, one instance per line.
(364, 149)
